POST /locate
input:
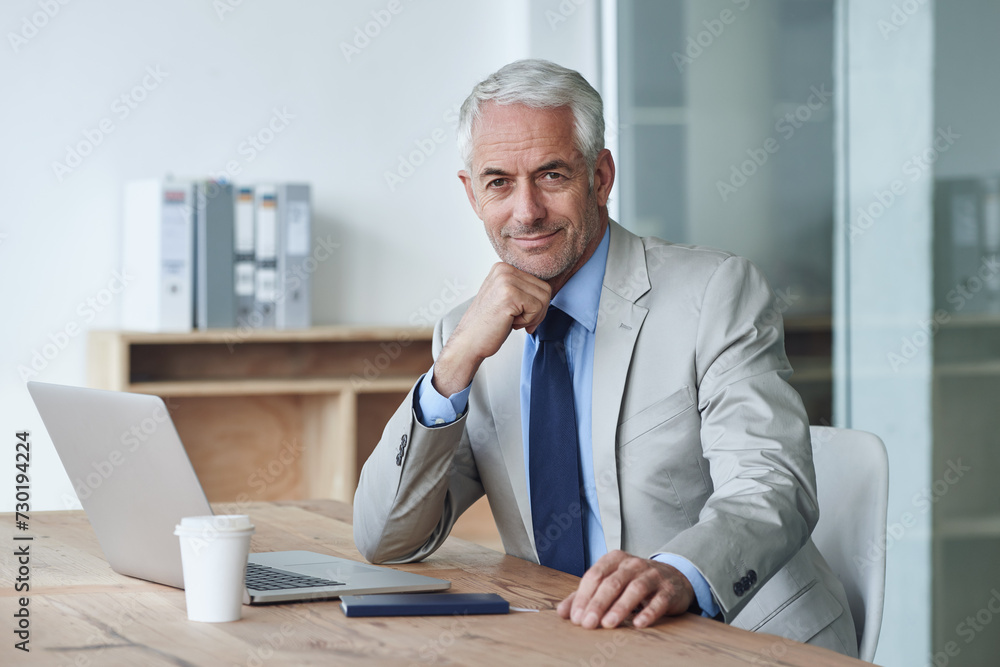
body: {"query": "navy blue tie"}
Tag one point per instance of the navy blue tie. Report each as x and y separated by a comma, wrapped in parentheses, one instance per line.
(554, 452)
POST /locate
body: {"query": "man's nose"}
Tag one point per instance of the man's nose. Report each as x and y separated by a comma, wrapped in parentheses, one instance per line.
(528, 205)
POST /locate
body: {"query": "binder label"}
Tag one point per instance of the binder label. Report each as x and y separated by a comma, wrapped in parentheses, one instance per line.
(244, 279)
(267, 288)
(266, 228)
(297, 236)
(176, 232)
(244, 221)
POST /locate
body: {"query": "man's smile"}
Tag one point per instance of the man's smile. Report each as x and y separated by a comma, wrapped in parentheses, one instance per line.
(534, 241)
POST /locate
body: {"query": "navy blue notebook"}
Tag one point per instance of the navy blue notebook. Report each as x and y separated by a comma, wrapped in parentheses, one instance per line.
(423, 604)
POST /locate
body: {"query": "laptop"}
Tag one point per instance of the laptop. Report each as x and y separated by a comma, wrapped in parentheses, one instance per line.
(135, 481)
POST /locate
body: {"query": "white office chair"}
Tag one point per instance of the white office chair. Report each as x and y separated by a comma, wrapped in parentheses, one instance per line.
(852, 481)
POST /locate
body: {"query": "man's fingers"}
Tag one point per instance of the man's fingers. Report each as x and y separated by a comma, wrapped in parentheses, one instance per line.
(656, 607)
(591, 581)
(509, 298)
(532, 313)
(564, 607)
(619, 585)
(605, 595)
(616, 607)
(525, 296)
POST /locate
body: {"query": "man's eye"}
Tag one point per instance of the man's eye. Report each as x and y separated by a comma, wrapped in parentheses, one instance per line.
(496, 183)
(551, 176)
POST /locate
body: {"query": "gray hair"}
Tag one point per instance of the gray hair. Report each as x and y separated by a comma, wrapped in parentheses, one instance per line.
(538, 84)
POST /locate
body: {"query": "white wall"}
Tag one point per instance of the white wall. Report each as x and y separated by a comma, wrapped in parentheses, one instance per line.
(400, 250)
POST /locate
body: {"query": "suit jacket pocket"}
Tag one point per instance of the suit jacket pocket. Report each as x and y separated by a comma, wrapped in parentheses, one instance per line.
(803, 615)
(656, 414)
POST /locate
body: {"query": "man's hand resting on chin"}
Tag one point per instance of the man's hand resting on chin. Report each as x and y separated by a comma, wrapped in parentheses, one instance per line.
(618, 583)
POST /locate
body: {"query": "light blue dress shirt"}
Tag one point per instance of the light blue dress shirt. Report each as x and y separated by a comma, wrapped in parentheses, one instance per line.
(579, 298)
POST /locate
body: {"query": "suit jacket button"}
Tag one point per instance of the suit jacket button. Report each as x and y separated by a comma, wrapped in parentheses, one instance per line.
(738, 589)
(753, 577)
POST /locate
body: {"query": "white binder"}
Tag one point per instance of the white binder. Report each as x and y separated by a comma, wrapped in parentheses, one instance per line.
(157, 248)
(266, 256)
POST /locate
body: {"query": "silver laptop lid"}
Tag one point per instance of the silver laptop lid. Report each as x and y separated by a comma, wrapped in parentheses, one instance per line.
(130, 471)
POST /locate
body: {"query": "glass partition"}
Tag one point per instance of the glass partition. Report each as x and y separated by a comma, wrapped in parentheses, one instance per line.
(966, 334)
(726, 140)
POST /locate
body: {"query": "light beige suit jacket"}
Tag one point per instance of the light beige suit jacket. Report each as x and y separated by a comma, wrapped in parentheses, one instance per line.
(700, 446)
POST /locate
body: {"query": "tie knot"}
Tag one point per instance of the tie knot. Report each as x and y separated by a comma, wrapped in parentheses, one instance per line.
(554, 326)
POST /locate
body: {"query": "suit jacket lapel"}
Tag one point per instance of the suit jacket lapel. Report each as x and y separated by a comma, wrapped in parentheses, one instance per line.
(618, 323)
(504, 386)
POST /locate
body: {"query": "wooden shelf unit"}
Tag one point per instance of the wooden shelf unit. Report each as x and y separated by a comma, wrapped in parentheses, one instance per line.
(270, 414)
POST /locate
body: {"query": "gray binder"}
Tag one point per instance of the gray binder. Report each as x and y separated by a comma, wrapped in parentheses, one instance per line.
(215, 303)
(292, 308)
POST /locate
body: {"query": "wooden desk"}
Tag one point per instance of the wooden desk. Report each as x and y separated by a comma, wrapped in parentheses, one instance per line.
(83, 614)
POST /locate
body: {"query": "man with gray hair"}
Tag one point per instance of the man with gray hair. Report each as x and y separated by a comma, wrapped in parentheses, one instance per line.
(621, 401)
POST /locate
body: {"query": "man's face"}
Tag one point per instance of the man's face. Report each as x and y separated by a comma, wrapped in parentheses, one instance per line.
(529, 185)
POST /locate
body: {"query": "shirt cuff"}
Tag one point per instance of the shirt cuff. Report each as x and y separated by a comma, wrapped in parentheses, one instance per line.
(433, 409)
(702, 591)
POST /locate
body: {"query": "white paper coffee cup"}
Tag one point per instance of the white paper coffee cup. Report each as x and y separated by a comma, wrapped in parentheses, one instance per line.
(214, 552)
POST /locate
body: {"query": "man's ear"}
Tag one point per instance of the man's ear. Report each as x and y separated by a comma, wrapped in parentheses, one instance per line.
(604, 176)
(469, 191)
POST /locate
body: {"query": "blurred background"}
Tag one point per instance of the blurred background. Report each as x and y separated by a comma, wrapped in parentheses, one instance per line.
(848, 147)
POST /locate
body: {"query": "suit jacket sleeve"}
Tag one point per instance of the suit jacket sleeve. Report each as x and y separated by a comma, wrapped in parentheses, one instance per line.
(755, 436)
(415, 484)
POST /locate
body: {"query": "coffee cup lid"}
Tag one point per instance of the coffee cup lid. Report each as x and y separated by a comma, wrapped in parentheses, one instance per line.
(217, 522)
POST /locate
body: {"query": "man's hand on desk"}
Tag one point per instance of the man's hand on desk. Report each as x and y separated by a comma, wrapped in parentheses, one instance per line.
(508, 299)
(618, 583)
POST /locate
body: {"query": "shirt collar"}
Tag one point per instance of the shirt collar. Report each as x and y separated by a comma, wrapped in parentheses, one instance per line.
(580, 297)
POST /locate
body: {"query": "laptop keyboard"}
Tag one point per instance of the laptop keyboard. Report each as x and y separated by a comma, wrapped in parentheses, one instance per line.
(264, 578)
